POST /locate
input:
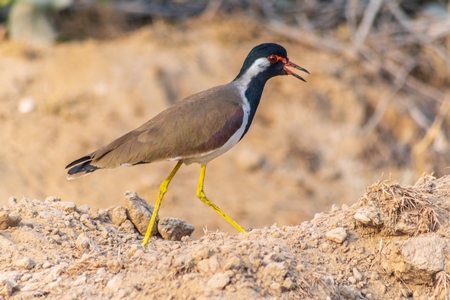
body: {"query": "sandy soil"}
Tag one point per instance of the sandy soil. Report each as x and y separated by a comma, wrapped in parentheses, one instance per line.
(392, 244)
(305, 154)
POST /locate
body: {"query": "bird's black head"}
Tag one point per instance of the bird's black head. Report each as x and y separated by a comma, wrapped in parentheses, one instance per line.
(266, 61)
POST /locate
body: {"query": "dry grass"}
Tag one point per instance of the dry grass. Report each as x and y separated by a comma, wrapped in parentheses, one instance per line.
(442, 288)
(406, 209)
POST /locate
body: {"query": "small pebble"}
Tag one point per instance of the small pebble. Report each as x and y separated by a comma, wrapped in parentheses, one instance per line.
(358, 276)
(51, 199)
(275, 286)
(25, 277)
(117, 214)
(25, 263)
(83, 243)
(114, 284)
(84, 209)
(218, 281)
(288, 284)
(361, 217)
(8, 219)
(64, 206)
(6, 286)
(337, 235)
(80, 280)
(84, 218)
(174, 229)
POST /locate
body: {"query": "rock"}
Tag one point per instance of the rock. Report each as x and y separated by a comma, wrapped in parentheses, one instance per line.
(80, 280)
(84, 218)
(425, 253)
(8, 219)
(84, 209)
(114, 284)
(25, 263)
(349, 292)
(7, 286)
(275, 286)
(117, 214)
(51, 199)
(139, 212)
(135, 248)
(357, 275)
(416, 260)
(337, 235)
(114, 265)
(25, 277)
(64, 206)
(46, 265)
(128, 226)
(93, 213)
(218, 281)
(369, 216)
(288, 284)
(12, 201)
(174, 229)
(83, 243)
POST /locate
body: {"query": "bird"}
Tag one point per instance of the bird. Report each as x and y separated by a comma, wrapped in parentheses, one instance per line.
(196, 129)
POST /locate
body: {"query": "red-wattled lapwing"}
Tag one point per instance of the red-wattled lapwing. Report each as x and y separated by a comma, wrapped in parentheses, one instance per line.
(196, 129)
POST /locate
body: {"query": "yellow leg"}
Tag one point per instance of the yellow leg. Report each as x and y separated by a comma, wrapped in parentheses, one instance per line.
(201, 195)
(162, 191)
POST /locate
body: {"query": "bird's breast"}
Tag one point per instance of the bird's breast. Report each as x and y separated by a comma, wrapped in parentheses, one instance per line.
(204, 158)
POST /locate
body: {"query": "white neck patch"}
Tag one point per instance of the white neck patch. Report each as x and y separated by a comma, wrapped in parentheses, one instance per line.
(258, 66)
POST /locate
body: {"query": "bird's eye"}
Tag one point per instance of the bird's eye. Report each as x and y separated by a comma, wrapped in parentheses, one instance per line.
(272, 58)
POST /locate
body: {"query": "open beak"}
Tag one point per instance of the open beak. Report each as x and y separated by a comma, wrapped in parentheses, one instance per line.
(289, 72)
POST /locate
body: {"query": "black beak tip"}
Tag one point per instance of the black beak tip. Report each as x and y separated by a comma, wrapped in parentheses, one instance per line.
(301, 78)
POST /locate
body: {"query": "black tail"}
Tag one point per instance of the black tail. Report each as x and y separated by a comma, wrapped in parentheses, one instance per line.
(80, 167)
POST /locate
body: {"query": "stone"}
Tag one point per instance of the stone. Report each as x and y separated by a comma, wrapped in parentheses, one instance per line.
(114, 284)
(337, 235)
(139, 212)
(174, 229)
(51, 199)
(83, 243)
(117, 214)
(64, 206)
(218, 281)
(84, 218)
(84, 209)
(25, 263)
(425, 253)
(356, 274)
(7, 286)
(8, 219)
(416, 260)
(368, 216)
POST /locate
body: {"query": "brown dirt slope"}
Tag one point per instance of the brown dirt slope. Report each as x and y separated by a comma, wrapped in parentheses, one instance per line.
(392, 244)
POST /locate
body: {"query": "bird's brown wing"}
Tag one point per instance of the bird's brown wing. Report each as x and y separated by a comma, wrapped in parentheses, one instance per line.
(195, 125)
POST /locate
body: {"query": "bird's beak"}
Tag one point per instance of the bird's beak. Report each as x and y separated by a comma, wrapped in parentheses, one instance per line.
(289, 72)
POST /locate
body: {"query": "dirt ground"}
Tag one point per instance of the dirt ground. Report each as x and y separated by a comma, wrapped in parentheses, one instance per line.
(302, 166)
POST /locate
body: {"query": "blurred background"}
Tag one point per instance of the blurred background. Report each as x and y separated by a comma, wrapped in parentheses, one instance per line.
(74, 75)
